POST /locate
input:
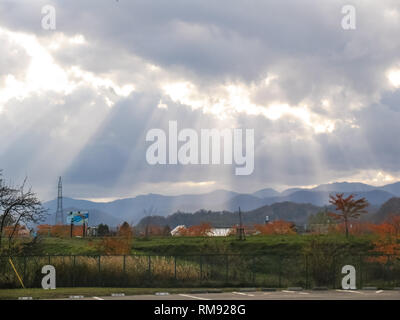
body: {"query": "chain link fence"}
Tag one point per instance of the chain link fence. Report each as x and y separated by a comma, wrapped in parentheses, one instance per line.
(217, 270)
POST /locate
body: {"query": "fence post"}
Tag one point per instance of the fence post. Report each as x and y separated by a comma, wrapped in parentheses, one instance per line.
(73, 271)
(334, 272)
(124, 265)
(361, 270)
(384, 271)
(149, 266)
(227, 267)
(24, 275)
(99, 270)
(124, 277)
(201, 267)
(280, 272)
(306, 271)
(175, 267)
(253, 268)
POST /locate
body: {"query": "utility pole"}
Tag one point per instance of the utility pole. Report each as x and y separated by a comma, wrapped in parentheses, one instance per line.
(84, 229)
(59, 212)
(240, 232)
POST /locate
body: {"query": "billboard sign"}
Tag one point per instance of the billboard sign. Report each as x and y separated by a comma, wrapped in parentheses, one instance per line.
(77, 217)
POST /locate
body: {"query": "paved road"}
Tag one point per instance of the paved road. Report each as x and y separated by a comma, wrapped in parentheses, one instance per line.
(277, 295)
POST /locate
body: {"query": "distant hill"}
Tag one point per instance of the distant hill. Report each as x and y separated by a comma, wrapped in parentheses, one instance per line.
(320, 198)
(391, 206)
(297, 213)
(345, 187)
(245, 201)
(290, 191)
(266, 193)
(294, 212)
(393, 188)
(303, 196)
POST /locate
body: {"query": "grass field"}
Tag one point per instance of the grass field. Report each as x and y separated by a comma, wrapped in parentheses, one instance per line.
(272, 261)
(274, 244)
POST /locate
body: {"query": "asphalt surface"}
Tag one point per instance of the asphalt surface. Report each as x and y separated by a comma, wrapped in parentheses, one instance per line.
(260, 295)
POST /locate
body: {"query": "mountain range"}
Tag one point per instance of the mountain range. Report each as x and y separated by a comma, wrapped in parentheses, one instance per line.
(134, 209)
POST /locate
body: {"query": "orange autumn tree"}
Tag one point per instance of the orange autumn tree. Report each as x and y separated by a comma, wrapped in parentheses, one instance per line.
(388, 234)
(125, 230)
(62, 231)
(394, 225)
(348, 209)
(276, 227)
(200, 230)
(43, 229)
(356, 228)
(121, 244)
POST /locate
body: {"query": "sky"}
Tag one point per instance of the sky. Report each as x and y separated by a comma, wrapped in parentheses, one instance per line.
(77, 101)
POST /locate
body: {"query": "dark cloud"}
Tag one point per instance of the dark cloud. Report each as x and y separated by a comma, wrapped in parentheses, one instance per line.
(101, 150)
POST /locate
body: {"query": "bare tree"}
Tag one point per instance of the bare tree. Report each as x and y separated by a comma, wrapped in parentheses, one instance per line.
(20, 206)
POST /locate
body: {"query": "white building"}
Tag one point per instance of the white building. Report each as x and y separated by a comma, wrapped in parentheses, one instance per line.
(175, 231)
(214, 232)
(220, 232)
